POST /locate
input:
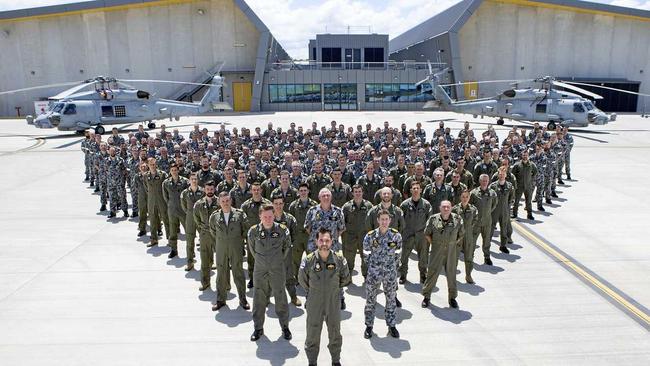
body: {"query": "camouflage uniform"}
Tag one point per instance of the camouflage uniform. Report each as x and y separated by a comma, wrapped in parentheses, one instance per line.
(566, 162)
(382, 253)
(446, 237)
(102, 176)
(85, 148)
(133, 168)
(331, 220)
(540, 162)
(116, 171)
(550, 173)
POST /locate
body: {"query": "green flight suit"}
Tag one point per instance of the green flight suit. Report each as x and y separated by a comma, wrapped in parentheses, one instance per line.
(172, 195)
(355, 230)
(288, 196)
(252, 210)
(469, 214)
(445, 238)
(416, 215)
(323, 280)
(340, 194)
(370, 187)
(270, 248)
(485, 202)
(156, 206)
(316, 183)
(289, 221)
(141, 186)
(299, 210)
(525, 174)
(229, 250)
(202, 211)
(188, 199)
(501, 213)
(396, 218)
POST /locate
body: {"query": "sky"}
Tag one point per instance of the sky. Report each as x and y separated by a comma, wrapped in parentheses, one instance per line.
(294, 22)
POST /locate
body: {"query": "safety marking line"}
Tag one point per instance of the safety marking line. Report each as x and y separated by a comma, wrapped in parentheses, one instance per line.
(39, 142)
(624, 302)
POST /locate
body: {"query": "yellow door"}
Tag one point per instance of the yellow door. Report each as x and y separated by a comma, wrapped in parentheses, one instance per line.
(471, 90)
(242, 93)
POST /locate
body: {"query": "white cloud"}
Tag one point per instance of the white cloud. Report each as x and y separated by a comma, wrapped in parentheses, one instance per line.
(635, 4)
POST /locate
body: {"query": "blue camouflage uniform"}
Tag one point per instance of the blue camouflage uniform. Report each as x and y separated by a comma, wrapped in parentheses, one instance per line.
(382, 253)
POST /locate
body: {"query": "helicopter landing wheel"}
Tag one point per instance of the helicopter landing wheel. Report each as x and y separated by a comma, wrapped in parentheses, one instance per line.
(100, 130)
(500, 121)
(551, 126)
(151, 125)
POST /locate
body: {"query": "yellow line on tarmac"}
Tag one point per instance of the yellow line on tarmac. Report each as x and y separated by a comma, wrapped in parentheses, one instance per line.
(535, 239)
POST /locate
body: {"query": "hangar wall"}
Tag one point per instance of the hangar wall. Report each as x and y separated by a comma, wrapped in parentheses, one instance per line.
(505, 40)
(170, 40)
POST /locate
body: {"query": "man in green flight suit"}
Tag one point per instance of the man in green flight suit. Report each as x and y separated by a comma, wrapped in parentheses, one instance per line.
(203, 208)
(323, 273)
(172, 189)
(229, 228)
(270, 244)
(157, 208)
(189, 197)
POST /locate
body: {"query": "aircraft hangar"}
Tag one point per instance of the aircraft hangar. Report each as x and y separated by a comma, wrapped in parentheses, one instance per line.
(178, 40)
(182, 40)
(520, 39)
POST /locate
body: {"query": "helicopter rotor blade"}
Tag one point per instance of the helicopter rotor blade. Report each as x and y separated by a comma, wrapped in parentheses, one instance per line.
(164, 82)
(430, 67)
(576, 89)
(40, 87)
(488, 82)
(223, 63)
(422, 82)
(607, 87)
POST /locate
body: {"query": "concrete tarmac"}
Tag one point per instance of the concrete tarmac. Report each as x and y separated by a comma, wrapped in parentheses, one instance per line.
(77, 288)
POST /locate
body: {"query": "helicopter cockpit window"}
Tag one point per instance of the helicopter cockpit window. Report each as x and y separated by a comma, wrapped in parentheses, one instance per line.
(58, 107)
(589, 106)
(510, 93)
(70, 109)
(142, 94)
(578, 108)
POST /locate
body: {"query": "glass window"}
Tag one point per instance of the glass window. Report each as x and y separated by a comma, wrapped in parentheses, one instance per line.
(58, 107)
(331, 57)
(540, 108)
(273, 93)
(291, 93)
(282, 93)
(578, 108)
(373, 56)
(70, 109)
(107, 111)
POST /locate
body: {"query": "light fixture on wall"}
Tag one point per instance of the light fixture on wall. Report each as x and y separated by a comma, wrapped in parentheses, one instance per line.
(521, 68)
(81, 71)
(169, 69)
(200, 11)
(127, 70)
(469, 67)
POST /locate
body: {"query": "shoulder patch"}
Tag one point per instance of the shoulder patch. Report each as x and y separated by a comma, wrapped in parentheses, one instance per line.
(310, 256)
(394, 230)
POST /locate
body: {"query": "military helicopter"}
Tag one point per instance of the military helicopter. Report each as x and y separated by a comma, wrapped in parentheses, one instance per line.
(112, 101)
(545, 104)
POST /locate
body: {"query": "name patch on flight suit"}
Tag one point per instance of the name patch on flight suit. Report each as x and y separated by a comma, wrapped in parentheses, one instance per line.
(318, 267)
(331, 266)
(275, 234)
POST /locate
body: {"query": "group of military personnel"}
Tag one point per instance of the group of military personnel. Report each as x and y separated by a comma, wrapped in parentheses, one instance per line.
(299, 205)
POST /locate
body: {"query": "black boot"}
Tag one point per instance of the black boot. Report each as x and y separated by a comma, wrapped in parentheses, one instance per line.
(488, 261)
(96, 188)
(425, 302)
(530, 216)
(86, 179)
(397, 302)
(553, 194)
(367, 334)
(126, 213)
(392, 331)
(250, 283)
(103, 208)
(92, 183)
(257, 334)
(560, 181)
(504, 249)
(568, 177)
(135, 214)
(540, 208)
(172, 254)
(423, 277)
(111, 214)
(141, 233)
(286, 333)
(402, 280)
(343, 306)
(453, 303)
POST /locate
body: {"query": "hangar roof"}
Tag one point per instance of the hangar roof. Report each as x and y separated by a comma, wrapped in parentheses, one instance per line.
(452, 19)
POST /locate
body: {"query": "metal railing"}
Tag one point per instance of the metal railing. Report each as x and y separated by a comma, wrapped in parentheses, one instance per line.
(343, 65)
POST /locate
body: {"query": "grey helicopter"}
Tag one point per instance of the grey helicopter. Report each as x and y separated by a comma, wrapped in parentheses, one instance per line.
(545, 104)
(112, 101)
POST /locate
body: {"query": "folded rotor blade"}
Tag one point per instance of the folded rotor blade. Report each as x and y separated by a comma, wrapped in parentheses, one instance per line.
(487, 82)
(576, 89)
(40, 87)
(163, 82)
(421, 82)
(607, 87)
